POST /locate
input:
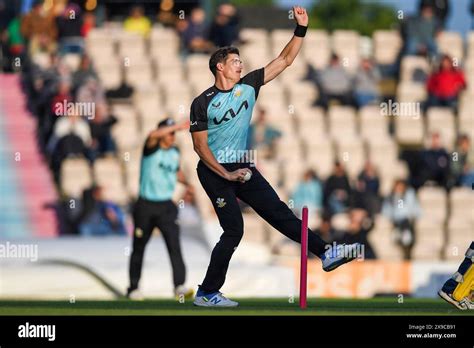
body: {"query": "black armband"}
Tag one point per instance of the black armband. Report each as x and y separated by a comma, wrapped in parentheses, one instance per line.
(300, 30)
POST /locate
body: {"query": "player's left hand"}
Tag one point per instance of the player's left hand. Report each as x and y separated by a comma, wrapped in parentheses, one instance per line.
(301, 16)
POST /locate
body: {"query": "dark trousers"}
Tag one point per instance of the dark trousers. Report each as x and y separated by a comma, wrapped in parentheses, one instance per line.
(258, 194)
(147, 215)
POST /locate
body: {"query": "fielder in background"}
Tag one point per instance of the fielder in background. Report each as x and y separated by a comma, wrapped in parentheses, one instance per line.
(220, 120)
(459, 289)
(159, 174)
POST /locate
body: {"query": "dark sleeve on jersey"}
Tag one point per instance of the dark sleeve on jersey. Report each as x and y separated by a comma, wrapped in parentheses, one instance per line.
(198, 115)
(147, 151)
(255, 79)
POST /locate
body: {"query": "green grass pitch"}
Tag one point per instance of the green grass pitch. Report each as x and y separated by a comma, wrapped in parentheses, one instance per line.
(248, 306)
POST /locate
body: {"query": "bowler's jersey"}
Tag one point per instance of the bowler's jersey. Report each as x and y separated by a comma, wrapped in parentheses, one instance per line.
(226, 116)
(158, 173)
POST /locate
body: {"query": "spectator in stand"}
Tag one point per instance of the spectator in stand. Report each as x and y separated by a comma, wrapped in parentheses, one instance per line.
(62, 96)
(360, 224)
(194, 33)
(337, 191)
(224, 29)
(369, 184)
(100, 217)
(334, 83)
(137, 22)
(440, 7)
(402, 208)
(39, 28)
(15, 41)
(308, 193)
(366, 83)
(421, 32)
(71, 137)
(85, 72)
(462, 163)
(88, 23)
(69, 24)
(445, 84)
(91, 92)
(101, 125)
(435, 162)
(263, 137)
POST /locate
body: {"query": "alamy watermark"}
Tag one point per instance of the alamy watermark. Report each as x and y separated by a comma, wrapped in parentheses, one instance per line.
(237, 156)
(66, 108)
(406, 109)
(352, 251)
(19, 251)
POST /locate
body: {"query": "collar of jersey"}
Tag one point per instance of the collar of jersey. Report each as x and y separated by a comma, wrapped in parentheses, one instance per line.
(224, 90)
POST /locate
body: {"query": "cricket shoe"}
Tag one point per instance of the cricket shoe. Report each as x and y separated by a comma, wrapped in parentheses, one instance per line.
(135, 295)
(215, 299)
(463, 305)
(183, 292)
(343, 253)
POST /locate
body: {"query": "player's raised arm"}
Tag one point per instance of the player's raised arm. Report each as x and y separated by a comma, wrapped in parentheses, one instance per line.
(289, 53)
(157, 134)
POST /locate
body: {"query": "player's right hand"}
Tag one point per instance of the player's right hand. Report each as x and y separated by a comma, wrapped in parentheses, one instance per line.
(184, 125)
(237, 175)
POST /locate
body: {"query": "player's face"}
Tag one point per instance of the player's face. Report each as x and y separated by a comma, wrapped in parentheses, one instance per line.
(168, 140)
(233, 67)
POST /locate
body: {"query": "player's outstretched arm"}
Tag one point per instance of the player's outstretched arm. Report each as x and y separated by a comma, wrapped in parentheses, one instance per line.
(155, 135)
(289, 53)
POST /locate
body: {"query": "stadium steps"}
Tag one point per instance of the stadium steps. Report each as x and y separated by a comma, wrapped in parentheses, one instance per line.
(26, 185)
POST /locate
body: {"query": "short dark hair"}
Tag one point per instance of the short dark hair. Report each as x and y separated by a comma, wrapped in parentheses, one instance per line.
(220, 56)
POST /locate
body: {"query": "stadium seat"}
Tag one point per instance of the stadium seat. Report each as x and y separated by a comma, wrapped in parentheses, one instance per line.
(110, 73)
(433, 202)
(441, 120)
(408, 91)
(461, 201)
(302, 93)
(345, 43)
(451, 43)
(76, 176)
(429, 239)
(72, 61)
(132, 172)
(387, 45)
(409, 130)
(342, 122)
(126, 133)
(311, 125)
(352, 155)
(317, 48)
(411, 63)
(139, 75)
(320, 156)
(108, 174)
(373, 125)
(381, 238)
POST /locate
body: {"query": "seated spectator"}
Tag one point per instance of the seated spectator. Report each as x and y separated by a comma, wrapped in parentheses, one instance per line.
(194, 33)
(462, 163)
(15, 41)
(402, 208)
(368, 184)
(366, 83)
(224, 29)
(435, 162)
(421, 31)
(445, 84)
(88, 23)
(262, 137)
(70, 125)
(83, 74)
(62, 96)
(308, 193)
(334, 83)
(91, 92)
(99, 217)
(69, 24)
(360, 224)
(39, 28)
(101, 124)
(137, 22)
(337, 191)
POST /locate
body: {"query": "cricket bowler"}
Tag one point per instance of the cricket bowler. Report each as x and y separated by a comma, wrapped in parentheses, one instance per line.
(219, 123)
